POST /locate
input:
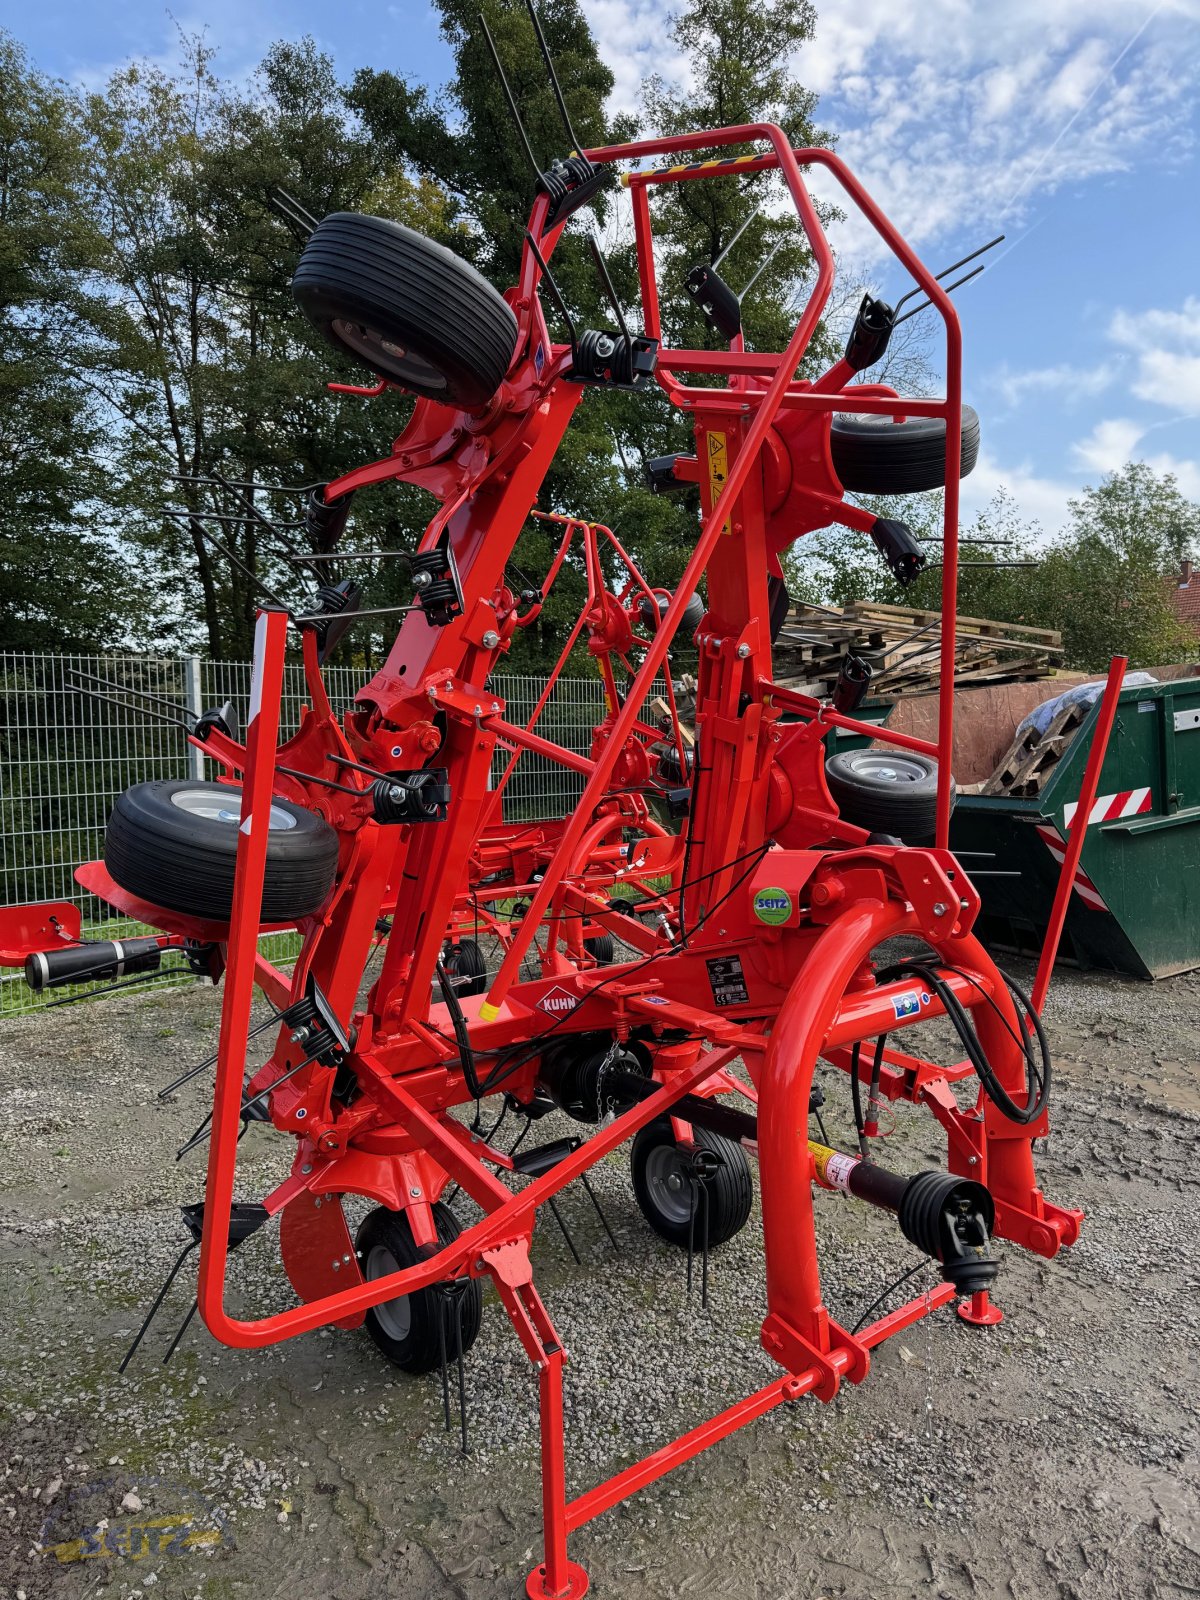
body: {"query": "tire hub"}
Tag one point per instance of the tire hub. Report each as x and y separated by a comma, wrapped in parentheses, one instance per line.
(393, 1316)
(219, 808)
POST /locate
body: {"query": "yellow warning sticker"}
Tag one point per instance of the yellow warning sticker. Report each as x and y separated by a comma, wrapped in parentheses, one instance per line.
(718, 468)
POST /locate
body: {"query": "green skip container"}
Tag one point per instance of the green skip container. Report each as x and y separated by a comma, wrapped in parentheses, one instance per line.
(1135, 901)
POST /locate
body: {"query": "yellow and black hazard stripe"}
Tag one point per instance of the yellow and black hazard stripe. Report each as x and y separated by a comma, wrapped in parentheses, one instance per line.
(728, 163)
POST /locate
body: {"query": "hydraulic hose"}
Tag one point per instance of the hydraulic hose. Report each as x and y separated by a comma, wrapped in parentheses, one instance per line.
(1037, 1061)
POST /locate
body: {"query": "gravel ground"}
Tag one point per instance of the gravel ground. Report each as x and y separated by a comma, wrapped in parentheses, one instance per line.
(1053, 1456)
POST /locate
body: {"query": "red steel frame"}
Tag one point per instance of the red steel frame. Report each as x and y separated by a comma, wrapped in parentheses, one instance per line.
(761, 818)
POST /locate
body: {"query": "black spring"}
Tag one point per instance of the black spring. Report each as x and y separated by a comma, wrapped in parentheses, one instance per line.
(604, 357)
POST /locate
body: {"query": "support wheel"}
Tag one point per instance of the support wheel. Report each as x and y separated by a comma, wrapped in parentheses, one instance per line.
(406, 308)
(886, 791)
(174, 843)
(409, 1329)
(466, 968)
(874, 455)
(664, 1176)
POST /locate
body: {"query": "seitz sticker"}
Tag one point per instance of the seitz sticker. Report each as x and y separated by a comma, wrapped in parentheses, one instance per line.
(772, 906)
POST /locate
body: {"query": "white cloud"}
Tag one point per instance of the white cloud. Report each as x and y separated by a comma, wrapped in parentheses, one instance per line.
(1166, 347)
(958, 115)
(1186, 473)
(1073, 383)
(1041, 500)
(1109, 446)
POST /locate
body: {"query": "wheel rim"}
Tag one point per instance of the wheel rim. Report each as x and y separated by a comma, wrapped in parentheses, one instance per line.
(225, 808)
(667, 1184)
(896, 769)
(393, 1316)
(405, 363)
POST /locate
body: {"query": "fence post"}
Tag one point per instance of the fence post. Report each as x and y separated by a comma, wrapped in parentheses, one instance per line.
(191, 677)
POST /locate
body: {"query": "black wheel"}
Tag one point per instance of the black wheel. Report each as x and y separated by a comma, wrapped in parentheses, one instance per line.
(874, 455)
(886, 791)
(465, 965)
(410, 1329)
(663, 1184)
(174, 843)
(405, 307)
(601, 949)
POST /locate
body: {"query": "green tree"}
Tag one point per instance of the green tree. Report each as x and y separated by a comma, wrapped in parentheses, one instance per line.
(61, 583)
(739, 61)
(1106, 581)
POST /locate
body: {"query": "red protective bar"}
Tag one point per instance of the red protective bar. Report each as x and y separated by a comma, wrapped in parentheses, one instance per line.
(810, 707)
(593, 1502)
(262, 735)
(1077, 832)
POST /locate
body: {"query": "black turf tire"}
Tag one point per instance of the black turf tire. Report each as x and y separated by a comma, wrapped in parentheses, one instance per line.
(655, 1157)
(406, 308)
(874, 455)
(601, 948)
(407, 1329)
(184, 860)
(886, 791)
(466, 961)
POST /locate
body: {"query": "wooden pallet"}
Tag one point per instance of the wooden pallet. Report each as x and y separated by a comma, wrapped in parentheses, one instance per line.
(1029, 760)
(902, 646)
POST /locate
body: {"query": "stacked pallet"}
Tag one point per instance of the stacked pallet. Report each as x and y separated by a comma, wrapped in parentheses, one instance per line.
(1033, 756)
(902, 646)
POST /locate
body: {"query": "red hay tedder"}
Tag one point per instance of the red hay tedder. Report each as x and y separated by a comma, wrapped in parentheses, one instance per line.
(637, 964)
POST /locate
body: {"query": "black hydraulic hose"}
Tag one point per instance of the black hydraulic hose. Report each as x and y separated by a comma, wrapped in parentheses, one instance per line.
(856, 1098)
(461, 1033)
(1037, 1062)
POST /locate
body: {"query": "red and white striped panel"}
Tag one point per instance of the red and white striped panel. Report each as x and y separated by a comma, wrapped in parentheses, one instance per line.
(1109, 807)
(1084, 887)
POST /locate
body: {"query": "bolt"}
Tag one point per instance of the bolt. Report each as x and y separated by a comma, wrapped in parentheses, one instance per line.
(743, 651)
(422, 580)
(495, 705)
(478, 711)
(972, 1161)
(491, 639)
(346, 1257)
(416, 1193)
(307, 1169)
(940, 909)
(337, 1265)
(301, 1114)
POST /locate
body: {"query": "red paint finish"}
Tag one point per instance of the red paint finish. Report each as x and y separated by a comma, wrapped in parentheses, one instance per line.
(752, 927)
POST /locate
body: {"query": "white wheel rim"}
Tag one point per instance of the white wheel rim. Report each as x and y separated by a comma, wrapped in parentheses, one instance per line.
(667, 1184)
(889, 769)
(225, 808)
(393, 1316)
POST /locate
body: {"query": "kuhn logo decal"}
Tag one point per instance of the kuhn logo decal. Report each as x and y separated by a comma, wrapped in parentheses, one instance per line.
(557, 1002)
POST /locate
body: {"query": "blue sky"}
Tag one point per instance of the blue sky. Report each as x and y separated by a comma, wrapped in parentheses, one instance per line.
(1071, 125)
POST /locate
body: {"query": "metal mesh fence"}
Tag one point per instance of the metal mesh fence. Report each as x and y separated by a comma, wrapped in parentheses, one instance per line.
(73, 735)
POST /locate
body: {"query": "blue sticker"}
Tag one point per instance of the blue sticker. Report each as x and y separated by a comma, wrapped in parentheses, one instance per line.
(656, 999)
(539, 359)
(907, 1004)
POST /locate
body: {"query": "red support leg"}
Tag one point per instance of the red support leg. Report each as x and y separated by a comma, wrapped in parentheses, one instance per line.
(979, 1311)
(557, 1578)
